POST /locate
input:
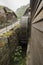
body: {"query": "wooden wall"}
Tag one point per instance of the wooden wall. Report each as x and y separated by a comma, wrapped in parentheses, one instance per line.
(37, 32)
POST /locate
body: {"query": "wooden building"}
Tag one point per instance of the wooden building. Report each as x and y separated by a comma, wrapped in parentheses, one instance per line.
(11, 16)
(7, 16)
(36, 32)
(2, 14)
(3, 18)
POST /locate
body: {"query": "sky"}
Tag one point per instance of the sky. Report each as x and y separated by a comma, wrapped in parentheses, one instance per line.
(14, 4)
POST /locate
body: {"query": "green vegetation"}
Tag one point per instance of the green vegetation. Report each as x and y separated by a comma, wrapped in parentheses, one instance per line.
(20, 11)
(17, 58)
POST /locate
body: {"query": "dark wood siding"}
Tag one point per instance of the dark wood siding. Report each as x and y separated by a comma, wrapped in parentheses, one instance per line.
(37, 32)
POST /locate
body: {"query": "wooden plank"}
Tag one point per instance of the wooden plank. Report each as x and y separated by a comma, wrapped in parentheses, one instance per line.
(39, 17)
(39, 8)
(37, 47)
(38, 26)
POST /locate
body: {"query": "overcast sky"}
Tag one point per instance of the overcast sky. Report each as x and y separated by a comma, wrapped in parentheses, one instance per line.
(14, 4)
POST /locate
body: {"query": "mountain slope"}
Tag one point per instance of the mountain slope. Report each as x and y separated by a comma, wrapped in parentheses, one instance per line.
(20, 11)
